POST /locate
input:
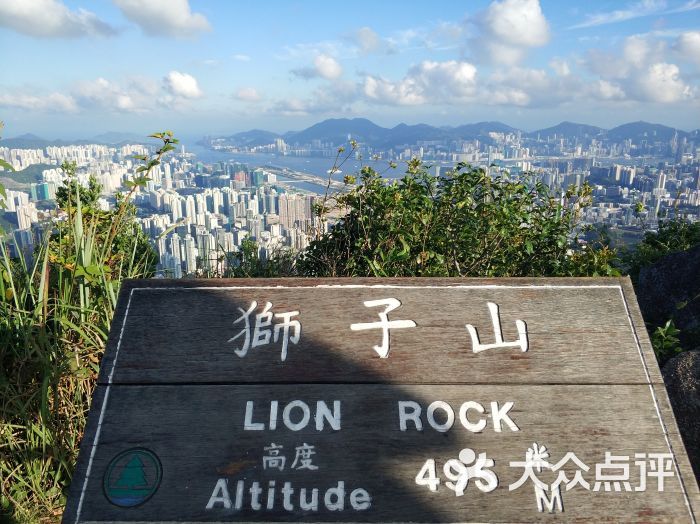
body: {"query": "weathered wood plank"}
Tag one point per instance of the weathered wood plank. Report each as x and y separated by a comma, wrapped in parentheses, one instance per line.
(174, 396)
(576, 335)
(198, 434)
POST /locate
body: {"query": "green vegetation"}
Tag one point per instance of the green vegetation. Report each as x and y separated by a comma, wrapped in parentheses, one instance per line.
(463, 224)
(665, 341)
(54, 319)
(67, 192)
(672, 236)
(29, 175)
(246, 263)
(5, 224)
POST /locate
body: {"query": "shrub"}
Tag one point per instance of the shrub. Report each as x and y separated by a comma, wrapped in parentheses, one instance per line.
(466, 223)
(673, 235)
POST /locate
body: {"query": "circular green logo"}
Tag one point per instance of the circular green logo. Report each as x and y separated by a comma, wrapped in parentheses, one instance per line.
(132, 477)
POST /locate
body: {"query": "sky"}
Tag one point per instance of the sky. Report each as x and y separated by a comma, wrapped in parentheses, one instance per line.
(78, 68)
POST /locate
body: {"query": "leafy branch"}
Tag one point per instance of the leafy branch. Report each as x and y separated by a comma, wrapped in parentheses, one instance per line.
(143, 177)
(321, 210)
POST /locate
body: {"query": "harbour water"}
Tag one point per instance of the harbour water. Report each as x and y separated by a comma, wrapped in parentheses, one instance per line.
(314, 166)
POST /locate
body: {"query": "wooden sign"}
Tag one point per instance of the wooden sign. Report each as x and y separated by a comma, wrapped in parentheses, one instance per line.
(381, 400)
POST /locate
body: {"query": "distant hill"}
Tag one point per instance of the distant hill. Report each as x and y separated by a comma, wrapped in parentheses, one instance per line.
(27, 141)
(116, 137)
(411, 134)
(30, 141)
(21, 179)
(481, 129)
(336, 130)
(644, 130)
(253, 138)
(569, 129)
(363, 130)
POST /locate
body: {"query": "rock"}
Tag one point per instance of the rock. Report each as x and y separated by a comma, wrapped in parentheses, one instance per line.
(682, 377)
(670, 289)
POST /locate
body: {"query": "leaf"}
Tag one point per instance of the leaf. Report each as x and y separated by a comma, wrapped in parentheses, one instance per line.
(6, 165)
(83, 373)
(406, 248)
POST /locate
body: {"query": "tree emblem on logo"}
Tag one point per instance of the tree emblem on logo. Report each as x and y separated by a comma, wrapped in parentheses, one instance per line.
(132, 477)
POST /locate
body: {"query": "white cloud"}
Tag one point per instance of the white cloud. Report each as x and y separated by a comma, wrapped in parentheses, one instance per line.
(643, 70)
(248, 94)
(51, 18)
(134, 98)
(662, 83)
(508, 96)
(241, 58)
(536, 88)
(164, 17)
(428, 82)
(527, 87)
(560, 67)
(332, 99)
(517, 22)
(383, 91)
(688, 45)
(690, 5)
(182, 85)
(293, 107)
(368, 40)
(325, 66)
(508, 28)
(446, 35)
(305, 50)
(635, 10)
(53, 102)
(639, 50)
(606, 65)
(602, 89)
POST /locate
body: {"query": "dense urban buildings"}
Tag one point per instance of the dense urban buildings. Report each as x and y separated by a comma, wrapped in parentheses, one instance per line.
(198, 214)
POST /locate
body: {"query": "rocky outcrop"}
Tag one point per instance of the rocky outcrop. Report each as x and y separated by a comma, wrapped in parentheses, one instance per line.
(682, 377)
(670, 289)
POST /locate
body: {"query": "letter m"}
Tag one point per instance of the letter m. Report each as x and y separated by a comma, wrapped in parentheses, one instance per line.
(543, 501)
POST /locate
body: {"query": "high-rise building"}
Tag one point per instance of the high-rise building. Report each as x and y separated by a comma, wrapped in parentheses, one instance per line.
(190, 259)
(27, 215)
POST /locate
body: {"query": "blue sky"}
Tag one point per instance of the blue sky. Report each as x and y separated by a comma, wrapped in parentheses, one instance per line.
(76, 68)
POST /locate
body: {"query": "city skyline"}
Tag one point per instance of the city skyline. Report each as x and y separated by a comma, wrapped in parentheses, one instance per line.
(79, 69)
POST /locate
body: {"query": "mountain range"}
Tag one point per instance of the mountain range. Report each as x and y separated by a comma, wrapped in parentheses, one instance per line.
(339, 130)
(31, 141)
